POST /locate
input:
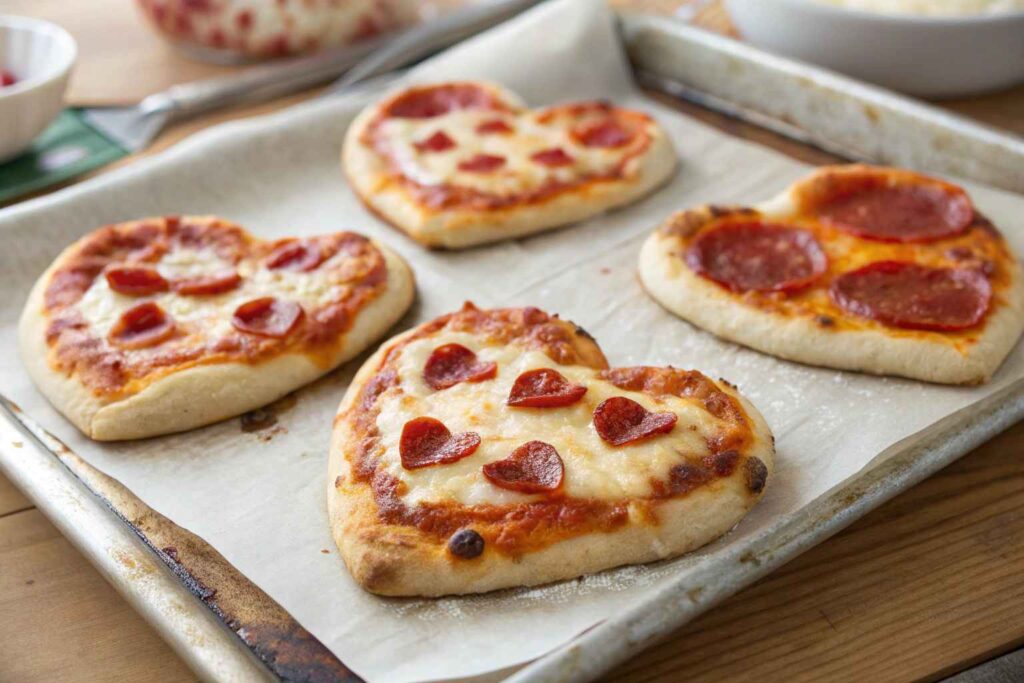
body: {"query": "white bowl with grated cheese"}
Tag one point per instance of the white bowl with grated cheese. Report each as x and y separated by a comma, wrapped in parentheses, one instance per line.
(928, 48)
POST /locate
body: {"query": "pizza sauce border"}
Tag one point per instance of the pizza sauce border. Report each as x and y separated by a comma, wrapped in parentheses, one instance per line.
(443, 197)
(112, 372)
(516, 528)
(979, 246)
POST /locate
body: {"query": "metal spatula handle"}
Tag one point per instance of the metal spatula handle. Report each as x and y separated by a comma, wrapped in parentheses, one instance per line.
(260, 83)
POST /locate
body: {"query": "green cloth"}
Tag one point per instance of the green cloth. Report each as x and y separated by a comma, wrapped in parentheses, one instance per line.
(69, 147)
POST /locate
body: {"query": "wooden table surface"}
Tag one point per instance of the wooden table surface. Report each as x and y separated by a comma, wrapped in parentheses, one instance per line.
(925, 586)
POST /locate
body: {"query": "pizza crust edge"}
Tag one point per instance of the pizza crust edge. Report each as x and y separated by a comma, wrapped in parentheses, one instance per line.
(368, 176)
(203, 394)
(708, 306)
(394, 560)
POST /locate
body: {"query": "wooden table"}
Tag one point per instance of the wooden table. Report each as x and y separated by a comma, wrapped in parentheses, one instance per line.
(925, 586)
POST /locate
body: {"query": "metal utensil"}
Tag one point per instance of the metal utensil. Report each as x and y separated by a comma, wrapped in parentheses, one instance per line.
(426, 39)
(85, 139)
(134, 127)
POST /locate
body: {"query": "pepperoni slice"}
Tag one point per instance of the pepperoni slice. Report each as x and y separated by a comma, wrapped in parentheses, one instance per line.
(554, 157)
(607, 134)
(208, 285)
(438, 142)
(544, 388)
(425, 441)
(453, 363)
(482, 163)
(761, 257)
(267, 317)
(913, 296)
(494, 127)
(425, 103)
(295, 255)
(873, 208)
(136, 281)
(534, 467)
(141, 326)
(621, 421)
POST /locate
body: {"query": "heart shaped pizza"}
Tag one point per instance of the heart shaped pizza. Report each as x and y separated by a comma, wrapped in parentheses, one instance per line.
(495, 448)
(165, 324)
(458, 164)
(854, 267)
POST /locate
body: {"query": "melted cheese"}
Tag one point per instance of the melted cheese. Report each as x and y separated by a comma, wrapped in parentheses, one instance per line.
(210, 316)
(520, 174)
(593, 468)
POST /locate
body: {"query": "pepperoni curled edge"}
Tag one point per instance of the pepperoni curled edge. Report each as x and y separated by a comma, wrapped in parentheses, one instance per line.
(425, 441)
(621, 421)
(891, 206)
(437, 100)
(607, 134)
(451, 364)
(438, 142)
(141, 326)
(534, 467)
(755, 256)
(207, 285)
(544, 388)
(912, 296)
(267, 317)
(554, 157)
(296, 255)
(482, 163)
(134, 281)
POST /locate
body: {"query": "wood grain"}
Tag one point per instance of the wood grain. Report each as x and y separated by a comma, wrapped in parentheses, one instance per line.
(920, 588)
(925, 586)
(62, 621)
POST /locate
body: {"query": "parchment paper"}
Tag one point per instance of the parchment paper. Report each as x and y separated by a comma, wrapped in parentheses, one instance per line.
(262, 503)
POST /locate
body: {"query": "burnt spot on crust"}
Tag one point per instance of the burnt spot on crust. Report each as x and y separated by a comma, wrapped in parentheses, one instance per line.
(757, 474)
(686, 477)
(825, 320)
(722, 464)
(717, 211)
(466, 544)
(686, 223)
(982, 222)
(583, 333)
(258, 420)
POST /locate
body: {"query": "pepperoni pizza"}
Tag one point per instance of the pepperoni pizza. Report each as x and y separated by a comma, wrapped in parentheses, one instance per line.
(855, 267)
(458, 164)
(496, 448)
(165, 324)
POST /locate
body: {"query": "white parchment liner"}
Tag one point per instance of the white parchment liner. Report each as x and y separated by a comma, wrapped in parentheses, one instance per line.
(262, 504)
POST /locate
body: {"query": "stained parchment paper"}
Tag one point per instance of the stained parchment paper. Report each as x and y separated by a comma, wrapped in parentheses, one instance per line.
(261, 502)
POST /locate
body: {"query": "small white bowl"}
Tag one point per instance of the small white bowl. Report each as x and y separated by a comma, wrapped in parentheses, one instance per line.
(927, 56)
(40, 55)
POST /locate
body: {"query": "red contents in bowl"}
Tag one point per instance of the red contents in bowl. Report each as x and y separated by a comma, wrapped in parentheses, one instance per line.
(7, 78)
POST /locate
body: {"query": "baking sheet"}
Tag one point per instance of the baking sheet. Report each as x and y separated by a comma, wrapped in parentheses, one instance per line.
(260, 501)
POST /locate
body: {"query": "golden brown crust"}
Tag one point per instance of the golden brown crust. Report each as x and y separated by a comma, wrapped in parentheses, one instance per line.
(808, 325)
(455, 216)
(107, 370)
(208, 369)
(382, 536)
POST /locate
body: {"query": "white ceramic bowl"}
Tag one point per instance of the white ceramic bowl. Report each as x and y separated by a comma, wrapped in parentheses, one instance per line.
(927, 56)
(40, 55)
